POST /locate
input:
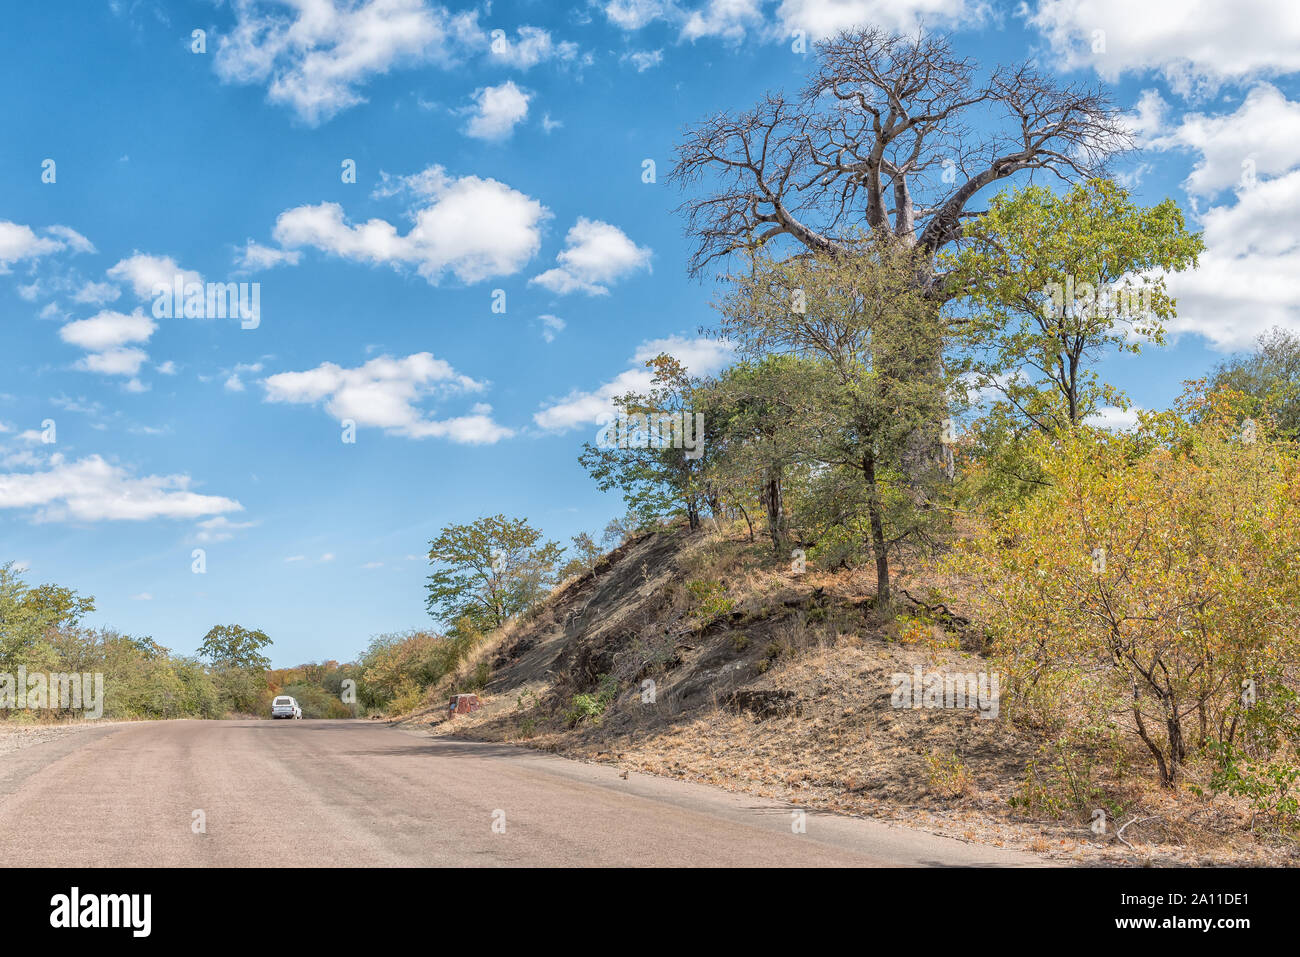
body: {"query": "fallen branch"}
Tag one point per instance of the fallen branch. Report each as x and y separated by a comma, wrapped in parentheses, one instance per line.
(1119, 834)
(940, 608)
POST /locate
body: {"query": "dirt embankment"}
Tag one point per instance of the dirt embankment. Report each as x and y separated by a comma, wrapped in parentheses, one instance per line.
(700, 658)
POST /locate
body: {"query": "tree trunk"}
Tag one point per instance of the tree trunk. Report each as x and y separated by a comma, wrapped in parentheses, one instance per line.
(715, 503)
(1168, 769)
(775, 506)
(747, 521)
(922, 455)
(876, 513)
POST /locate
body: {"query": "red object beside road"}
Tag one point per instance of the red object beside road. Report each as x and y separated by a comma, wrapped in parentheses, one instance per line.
(463, 703)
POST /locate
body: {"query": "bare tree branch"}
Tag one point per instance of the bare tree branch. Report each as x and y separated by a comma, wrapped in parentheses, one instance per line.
(884, 138)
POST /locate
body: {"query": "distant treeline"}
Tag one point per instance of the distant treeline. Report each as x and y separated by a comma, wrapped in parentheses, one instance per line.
(41, 633)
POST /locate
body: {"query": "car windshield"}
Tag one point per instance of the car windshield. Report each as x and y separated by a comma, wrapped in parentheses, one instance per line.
(284, 701)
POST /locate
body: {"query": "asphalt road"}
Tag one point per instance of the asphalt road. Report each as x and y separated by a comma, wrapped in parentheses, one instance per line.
(357, 793)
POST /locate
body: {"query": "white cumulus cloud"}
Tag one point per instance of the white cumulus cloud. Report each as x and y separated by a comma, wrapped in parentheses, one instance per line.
(255, 257)
(595, 254)
(496, 111)
(108, 330)
(314, 56)
(384, 393)
(474, 228)
(1197, 45)
(634, 14)
(19, 242)
(1260, 138)
(529, 47)
(111, 340)
(143, 271)
(1114, 419)
(1249, 275)
(823, 18)
(701, 357)
(94, 490)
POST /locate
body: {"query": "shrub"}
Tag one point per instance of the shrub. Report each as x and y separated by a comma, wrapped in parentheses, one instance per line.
(1063, 780)
(711, 601)
(590, 707)
(1152, 576)
(1263, 763)
(396, 663)
(947, 775)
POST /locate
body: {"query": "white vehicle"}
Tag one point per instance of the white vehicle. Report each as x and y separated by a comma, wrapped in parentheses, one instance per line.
(285, 707)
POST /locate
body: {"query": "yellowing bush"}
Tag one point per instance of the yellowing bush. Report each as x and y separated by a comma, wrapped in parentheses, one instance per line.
(1151, 580)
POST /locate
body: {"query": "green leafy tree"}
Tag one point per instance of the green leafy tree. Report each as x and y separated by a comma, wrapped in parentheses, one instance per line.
(236, 646)
(860, 322)
(1269, 377)
(31, 620)
(488, 571)
(757, 410)
(1056, 282)
(198, 694)
(397, 668)
(660, 475)
(587, 553)
(40, 629)
(238, 666)
(621, 528)
(1000, 467)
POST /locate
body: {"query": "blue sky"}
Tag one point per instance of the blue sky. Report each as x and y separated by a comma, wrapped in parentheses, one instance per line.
(484, 162)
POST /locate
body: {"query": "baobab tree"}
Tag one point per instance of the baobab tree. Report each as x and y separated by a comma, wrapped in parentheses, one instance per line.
(891, 133)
